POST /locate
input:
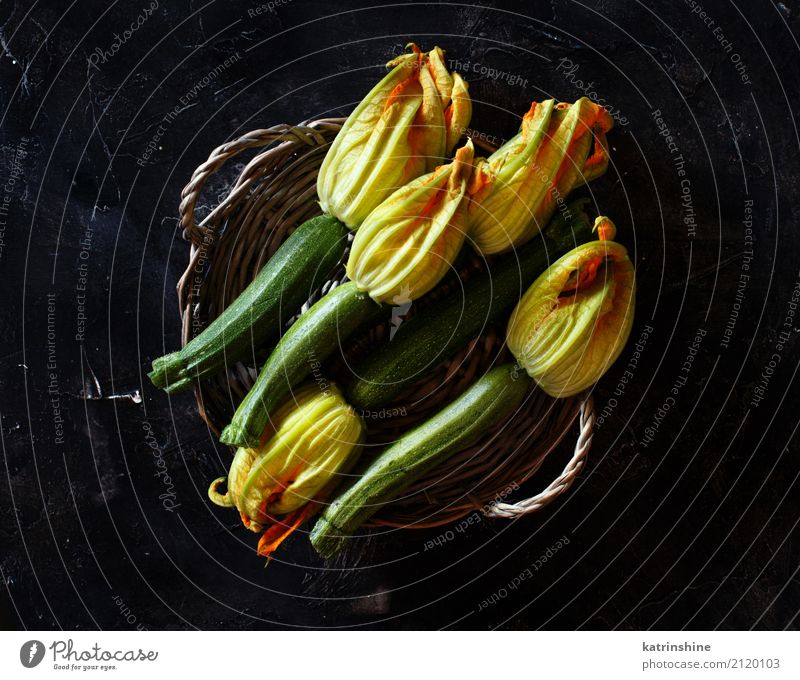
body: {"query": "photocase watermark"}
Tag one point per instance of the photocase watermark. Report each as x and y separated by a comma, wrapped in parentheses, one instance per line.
(102, 55)
(744, 276)
(184, 102)
(266, 8)
(383, 414)
(53, 389)
(169, 497)
(680, 381)
(81, 285)
(524, 575)
(478, 137)
(324, 386)
(470, 520)
(9, 186)
(316, 372)
(785, 334)
(627, 376)
(127, 614)
(198, 274)
(66, 656)
(480, 69)
(569, 70)
(401, 306)
(558, 197)
(31, 653)
(719, 35)
(685, 184)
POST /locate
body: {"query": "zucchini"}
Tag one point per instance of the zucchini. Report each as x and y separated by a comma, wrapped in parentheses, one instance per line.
(444, 327)
(307, 343)
(301, 265)
(495, 396)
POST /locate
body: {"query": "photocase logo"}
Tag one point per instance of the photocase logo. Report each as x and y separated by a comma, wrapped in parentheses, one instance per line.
(31, 653)
(402, 303)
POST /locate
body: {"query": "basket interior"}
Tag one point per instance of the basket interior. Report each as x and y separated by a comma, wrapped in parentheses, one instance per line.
(275, 192)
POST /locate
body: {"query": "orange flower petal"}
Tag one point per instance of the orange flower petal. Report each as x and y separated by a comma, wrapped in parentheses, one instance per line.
(284, 528)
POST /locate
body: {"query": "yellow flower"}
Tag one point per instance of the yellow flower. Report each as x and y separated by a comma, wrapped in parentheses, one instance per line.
(515, 191)
(573, 322)
(314, 439)
(402, 129)
(408, 243)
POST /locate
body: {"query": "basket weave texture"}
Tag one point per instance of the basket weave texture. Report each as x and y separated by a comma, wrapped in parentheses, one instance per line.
(273, 193)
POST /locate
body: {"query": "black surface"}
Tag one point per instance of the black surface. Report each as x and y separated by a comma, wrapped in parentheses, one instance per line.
(698, 529)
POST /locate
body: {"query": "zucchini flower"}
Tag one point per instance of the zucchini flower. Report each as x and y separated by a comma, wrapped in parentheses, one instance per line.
(314, 438)
(515, 191)
(403, 128)
(409, 241)
(573, 322)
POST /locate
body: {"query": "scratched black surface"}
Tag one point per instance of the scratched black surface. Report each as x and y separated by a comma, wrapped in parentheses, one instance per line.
(696, 528)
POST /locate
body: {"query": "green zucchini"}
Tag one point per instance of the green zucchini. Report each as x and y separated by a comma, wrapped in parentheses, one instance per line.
(444, 327)
(309, 341)
(493, 397)
(301, 265)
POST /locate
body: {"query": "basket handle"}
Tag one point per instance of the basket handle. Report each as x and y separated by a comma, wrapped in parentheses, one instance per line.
(222, 154)
(198, 234)
(564, 481)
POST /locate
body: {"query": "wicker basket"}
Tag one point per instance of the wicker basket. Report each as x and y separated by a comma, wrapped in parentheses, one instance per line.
(275, 192)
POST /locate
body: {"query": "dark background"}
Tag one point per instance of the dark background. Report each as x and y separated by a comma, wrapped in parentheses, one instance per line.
(695, 529)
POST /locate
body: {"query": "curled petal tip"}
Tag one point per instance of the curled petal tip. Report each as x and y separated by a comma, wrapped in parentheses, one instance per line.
(462, 161)
(459, 113)
(222, 499)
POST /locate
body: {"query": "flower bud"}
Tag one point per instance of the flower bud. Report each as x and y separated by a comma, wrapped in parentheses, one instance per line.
(573, 322)
(515, 191)
(314, 439)
(408, 243)
(402, 129)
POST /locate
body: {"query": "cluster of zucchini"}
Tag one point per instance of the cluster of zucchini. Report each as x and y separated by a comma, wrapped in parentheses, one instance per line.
(385, 177)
